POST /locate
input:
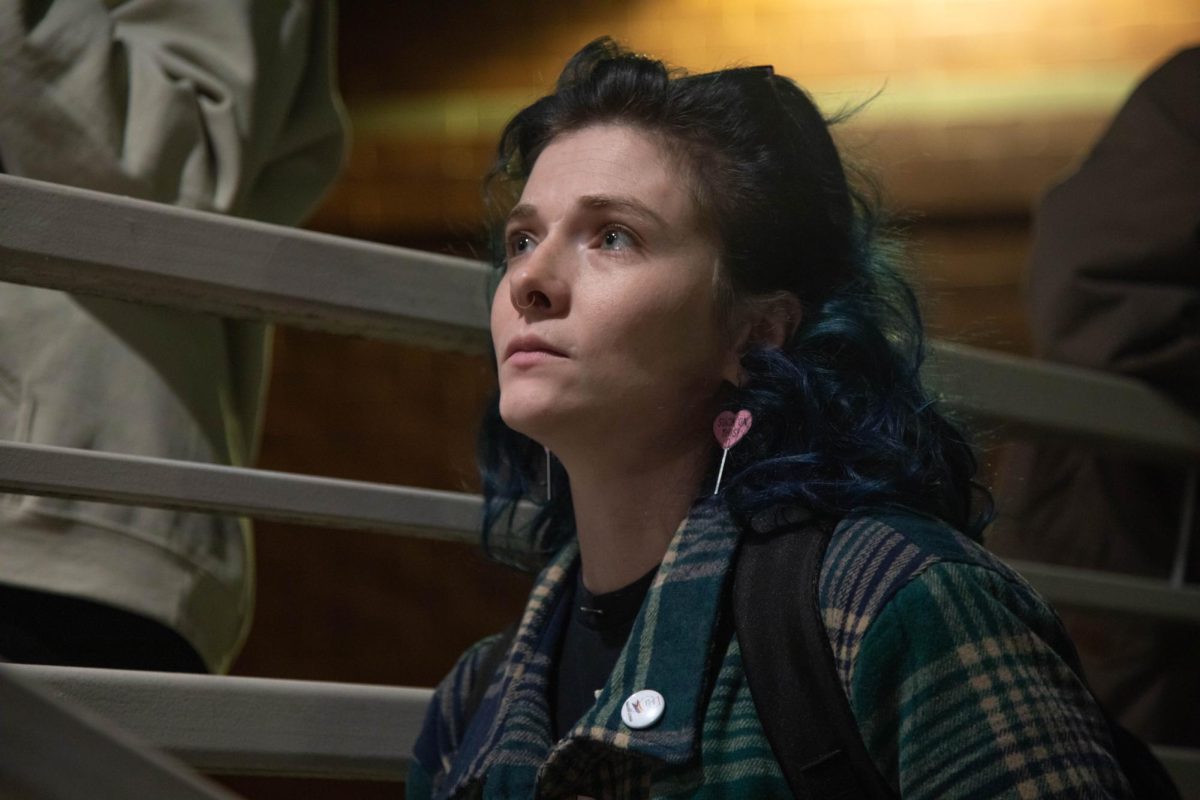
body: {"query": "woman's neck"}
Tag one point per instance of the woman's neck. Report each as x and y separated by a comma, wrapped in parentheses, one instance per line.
(626, 513)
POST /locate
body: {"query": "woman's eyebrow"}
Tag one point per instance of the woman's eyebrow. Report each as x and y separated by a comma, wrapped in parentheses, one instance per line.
(520, 212)
(621, 203)
(595, 202)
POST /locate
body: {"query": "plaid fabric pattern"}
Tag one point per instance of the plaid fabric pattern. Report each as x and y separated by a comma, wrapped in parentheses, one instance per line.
(961, 679)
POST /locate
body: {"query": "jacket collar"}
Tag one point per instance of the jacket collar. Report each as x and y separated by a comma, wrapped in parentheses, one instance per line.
(674, 648)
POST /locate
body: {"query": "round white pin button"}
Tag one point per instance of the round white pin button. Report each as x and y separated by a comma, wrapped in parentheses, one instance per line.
(642, 709)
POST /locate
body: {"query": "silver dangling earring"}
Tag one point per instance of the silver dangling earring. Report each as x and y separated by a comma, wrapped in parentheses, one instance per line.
(549, 486)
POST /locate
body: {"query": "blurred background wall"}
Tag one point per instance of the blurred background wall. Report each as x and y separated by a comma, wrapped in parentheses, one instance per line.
(980, 105)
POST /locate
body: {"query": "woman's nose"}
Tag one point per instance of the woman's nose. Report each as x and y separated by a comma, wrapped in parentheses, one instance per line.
(537, 284)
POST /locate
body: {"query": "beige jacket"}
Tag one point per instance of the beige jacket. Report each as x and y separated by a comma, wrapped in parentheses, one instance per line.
(221, 105)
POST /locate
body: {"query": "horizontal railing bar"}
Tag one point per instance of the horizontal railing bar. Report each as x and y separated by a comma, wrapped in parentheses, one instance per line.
(92, 243)
(1027, 395)
(135, 480)
(1184, 765)
(51, 749)
(1111, 591)
(286, 497)
(263, 726)
(251, 726)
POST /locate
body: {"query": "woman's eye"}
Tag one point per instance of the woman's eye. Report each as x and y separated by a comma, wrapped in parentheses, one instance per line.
(616, 239)
(519, 243)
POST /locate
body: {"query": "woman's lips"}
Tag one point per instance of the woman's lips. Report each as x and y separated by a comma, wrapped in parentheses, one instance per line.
(529, 350)
(529, 358)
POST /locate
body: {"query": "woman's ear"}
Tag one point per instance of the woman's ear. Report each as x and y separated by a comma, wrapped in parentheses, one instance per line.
(731, 371)
(766, 322)
(776, 318)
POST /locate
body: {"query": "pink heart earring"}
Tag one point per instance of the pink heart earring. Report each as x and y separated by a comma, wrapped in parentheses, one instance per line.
(729, 428)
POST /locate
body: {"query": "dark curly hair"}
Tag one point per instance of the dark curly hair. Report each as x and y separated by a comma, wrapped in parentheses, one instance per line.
(841, 419)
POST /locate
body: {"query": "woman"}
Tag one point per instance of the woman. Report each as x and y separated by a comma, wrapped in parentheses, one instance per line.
(683, 246)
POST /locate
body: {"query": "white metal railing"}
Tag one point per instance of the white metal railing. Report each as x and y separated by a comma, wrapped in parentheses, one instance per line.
(91, 243)
(426, 513)
(163, 483)
(1031, 396)
(1112, 591)
(246, 726)
(251, 270)
(56, 750)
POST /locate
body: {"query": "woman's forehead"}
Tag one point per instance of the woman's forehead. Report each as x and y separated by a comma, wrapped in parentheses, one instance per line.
(619, 165)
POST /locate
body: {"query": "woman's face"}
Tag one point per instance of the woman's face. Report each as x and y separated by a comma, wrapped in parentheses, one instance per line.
(605, 324)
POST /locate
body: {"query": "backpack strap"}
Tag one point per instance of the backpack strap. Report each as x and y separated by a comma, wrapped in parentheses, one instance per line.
(790, 668)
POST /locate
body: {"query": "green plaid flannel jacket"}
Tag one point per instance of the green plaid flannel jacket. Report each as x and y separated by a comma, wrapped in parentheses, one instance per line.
(962, 681)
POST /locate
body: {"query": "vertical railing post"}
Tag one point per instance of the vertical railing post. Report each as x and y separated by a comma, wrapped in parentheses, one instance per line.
(1187, 527)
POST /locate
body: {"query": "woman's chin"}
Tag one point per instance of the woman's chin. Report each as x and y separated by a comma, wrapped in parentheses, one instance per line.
(536, 419)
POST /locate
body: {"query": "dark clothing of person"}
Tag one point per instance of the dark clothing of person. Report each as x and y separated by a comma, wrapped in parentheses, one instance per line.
(44, 628)
(1115, 285)
(596, 633)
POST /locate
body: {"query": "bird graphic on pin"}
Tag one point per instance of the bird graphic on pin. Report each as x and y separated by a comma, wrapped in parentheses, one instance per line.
(642, 709)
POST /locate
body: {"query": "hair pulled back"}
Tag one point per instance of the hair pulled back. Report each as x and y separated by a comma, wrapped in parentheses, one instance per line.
(841, 419)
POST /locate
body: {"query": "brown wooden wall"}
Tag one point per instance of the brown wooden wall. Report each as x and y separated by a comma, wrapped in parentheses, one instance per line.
(983, 104)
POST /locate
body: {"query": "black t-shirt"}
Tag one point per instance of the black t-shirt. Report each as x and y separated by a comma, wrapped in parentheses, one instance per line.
(596, 633)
